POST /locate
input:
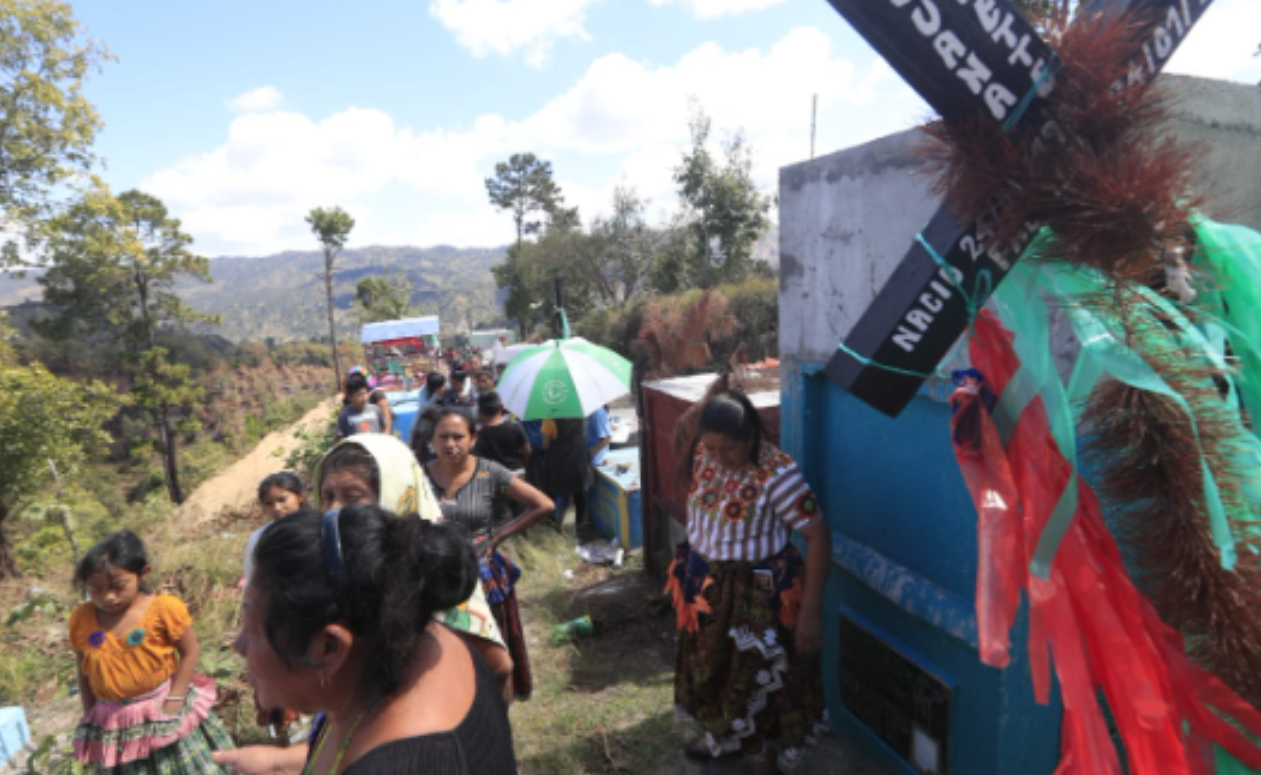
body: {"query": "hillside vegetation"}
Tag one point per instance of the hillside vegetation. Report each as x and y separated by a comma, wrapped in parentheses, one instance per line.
(279, 296)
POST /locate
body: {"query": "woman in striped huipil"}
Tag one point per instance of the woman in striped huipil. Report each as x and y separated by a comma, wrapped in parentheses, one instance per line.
(748, 606)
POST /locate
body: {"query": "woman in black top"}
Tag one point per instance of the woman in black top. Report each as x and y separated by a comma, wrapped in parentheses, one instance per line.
(338, 621)
(476, 494)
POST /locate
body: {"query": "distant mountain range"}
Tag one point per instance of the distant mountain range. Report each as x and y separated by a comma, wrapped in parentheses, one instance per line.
(282, 296)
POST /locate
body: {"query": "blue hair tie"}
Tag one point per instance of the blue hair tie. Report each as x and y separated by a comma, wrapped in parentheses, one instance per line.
(330, 536)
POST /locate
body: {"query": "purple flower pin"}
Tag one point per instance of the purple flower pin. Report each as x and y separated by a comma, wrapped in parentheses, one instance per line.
(96, 639)
(135, 637)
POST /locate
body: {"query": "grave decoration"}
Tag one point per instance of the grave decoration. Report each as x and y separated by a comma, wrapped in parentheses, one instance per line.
(1073, 195)
(979, 62)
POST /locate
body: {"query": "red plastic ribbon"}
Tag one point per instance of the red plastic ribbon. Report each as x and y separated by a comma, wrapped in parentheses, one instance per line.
(1104, 635)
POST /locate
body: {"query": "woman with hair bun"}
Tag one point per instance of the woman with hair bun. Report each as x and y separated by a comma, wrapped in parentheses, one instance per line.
(748, 607)
(339, 620)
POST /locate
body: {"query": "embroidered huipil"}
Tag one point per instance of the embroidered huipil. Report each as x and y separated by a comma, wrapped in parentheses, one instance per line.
(748, 513)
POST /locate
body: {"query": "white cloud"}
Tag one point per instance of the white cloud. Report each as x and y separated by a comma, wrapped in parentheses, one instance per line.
(712, 9)
(260, 100)
(486, 27)
(249, 196)
(1223, 43)
(619, 105)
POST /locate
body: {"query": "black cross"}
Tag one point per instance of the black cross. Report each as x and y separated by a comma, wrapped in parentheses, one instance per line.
(965, 57)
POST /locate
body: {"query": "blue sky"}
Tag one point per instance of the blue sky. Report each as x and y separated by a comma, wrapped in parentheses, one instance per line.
(242, 116)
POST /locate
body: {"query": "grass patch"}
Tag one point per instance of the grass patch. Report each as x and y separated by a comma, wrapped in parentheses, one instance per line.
(601, 704)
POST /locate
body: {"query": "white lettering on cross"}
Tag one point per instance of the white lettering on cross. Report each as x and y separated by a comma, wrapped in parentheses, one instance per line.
(975, 75)
(950, 48)
(987, 14)
(927, 18)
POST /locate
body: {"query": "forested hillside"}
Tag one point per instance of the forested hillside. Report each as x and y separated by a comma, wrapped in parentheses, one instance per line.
(280, 297)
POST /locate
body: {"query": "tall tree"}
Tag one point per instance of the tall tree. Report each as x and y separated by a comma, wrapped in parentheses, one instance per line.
(113, 265)
(628, 247)
(45, 421)
(727, 213)
(523, 185)
(47, 126)
(383, 298)
(332, 229)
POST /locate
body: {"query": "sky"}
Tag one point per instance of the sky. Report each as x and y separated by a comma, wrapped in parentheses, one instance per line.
(242, 116)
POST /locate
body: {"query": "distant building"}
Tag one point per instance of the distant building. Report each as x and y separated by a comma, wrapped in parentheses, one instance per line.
(488, 339)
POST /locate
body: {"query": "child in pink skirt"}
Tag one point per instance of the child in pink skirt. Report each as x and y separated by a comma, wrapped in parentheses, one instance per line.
(145, 711)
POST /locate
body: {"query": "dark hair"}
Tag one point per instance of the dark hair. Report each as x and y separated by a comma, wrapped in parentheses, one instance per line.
(732, 414)
(489, 404)
(457, 411)
(396, 573)
(354, 459)
(483, 373)
(459, 374)
(434, 380)
(123, 549)
(356, 382)
(285, 480)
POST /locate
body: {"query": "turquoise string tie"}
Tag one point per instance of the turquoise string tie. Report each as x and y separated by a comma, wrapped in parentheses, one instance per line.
(1048, 72)
(981, 289)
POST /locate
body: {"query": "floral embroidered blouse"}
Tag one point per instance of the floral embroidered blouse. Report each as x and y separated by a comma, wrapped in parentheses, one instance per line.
(123, 668)
(750, 512)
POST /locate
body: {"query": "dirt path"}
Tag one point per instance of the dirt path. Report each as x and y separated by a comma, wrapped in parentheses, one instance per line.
(237, 486)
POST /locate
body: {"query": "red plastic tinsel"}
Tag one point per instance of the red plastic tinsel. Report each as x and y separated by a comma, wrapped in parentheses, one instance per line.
(1104, 635)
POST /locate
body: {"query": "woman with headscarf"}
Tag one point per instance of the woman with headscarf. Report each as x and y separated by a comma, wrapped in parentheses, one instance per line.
(375, 469)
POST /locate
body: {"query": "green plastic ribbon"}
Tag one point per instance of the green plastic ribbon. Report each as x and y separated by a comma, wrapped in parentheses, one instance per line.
(1102, 352)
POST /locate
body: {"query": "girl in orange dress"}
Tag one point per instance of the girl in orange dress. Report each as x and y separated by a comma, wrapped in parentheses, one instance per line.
(145, 711)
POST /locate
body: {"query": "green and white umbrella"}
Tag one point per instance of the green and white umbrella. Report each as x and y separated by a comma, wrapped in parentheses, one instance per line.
(563, 378)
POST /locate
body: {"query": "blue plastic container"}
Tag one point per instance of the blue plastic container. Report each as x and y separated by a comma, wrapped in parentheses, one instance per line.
(614, 500)
(405, 405)
(15, 734)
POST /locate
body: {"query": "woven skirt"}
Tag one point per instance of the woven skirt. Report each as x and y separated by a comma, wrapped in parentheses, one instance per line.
(137, 737)
(499, 579)
(737, 672)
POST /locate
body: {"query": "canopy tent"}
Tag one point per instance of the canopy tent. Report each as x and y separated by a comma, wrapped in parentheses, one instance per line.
(404, 328)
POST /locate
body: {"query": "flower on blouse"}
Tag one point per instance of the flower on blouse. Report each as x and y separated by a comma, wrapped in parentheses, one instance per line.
(135, 637)
(807, 506)
(96, 639)
(734, 511)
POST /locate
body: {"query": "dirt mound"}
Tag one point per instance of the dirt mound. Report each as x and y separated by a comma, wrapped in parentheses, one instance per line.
(237, 487)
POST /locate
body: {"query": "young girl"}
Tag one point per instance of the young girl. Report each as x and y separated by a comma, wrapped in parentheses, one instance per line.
(280, 494)
(144, 709)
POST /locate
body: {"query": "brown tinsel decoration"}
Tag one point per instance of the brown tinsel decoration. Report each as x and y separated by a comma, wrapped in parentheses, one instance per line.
(1102, 173)
(1147, 462)
(676, 335)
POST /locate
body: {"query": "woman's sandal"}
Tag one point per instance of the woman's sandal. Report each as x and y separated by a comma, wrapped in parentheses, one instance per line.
(698, 750)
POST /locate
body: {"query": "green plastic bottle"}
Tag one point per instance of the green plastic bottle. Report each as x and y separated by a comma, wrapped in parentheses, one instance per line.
(572, 630)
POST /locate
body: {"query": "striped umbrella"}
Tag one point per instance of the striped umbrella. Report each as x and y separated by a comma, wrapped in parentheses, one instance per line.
(563, 378)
